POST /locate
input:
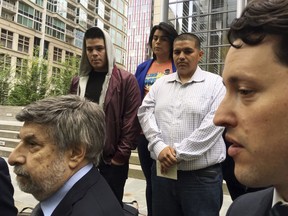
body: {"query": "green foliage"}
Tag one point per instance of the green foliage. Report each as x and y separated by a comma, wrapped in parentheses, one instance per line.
(4, 85)
(35, 83)
(61, 79)
(31, 85)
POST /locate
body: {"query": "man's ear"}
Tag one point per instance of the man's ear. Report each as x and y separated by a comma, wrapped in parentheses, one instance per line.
(76, 156)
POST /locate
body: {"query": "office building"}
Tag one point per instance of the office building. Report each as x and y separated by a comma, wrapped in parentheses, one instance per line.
(56, 29)
(140, 17)
(208, 19)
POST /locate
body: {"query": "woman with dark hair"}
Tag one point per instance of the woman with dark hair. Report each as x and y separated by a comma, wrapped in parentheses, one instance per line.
(161, 43)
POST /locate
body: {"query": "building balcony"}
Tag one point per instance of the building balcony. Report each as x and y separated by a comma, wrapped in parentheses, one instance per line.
(90, 23)
(71, 12)
(70, 33)
(9, 7)
(91, 3)
(107, 15)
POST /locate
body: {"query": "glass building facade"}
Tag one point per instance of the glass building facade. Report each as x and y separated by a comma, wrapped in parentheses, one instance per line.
(139, 26)
(209, 20)
(57, 28)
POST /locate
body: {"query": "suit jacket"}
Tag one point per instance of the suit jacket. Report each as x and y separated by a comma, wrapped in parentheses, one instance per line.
(7, 206)
(90, 196)
(252, 204)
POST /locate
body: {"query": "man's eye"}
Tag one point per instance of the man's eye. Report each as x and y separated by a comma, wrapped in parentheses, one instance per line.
(99, 49)
(31, 144)
(245, 91)
(188, 52)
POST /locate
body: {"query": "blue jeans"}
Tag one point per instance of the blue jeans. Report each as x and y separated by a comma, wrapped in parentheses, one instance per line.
(194, 193)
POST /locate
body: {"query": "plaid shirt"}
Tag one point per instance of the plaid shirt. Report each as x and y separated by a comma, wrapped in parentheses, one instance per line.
(181, 116)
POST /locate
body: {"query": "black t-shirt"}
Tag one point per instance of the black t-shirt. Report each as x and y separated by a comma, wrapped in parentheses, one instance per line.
(94, 85)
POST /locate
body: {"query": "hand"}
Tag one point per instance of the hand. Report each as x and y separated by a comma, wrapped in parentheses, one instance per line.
(167, 158)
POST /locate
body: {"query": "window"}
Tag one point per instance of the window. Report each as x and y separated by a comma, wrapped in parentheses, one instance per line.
(26, 15)
(5, 62)
(57, 54)
(37, 20)
(56, 75)
(21, 67)
(36, 46)
(6, 38)
(23, 44)
(55, 28)
(68, 55)
(55, 72)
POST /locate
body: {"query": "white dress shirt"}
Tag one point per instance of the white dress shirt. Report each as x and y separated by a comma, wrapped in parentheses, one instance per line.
(181, 116)
(277, 198)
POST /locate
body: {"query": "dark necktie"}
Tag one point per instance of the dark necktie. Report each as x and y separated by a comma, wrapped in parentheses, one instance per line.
(279, 209)
(37, 211)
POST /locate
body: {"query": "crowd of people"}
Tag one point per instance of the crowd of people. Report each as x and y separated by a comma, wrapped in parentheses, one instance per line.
(73, 154)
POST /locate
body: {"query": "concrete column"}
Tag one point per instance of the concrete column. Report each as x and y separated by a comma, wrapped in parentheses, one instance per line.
(240, 6)
(165, 9)
(41, 48)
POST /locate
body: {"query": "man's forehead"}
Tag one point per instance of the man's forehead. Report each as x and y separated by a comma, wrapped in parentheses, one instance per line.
(184, 44)
(95, 41)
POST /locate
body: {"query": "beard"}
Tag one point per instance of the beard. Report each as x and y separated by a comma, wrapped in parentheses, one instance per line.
(44, 183)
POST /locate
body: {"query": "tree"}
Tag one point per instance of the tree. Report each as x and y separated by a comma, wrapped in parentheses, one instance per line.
(31, 85)
(4, 77)
(34, 84)
(62, 76)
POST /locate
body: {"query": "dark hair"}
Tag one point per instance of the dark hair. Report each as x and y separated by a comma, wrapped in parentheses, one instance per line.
(189, 36)
(94, 32)
(259, 19)
(169, 30)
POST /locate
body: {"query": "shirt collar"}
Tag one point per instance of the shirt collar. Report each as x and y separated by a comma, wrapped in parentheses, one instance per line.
(198, 76)
(277, 198)
(49, 205)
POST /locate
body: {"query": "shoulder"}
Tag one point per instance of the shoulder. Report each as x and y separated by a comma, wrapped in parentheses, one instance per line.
(252, 203)
(211, 76)
(143, 67)
(123, 74)
(98, 200)
(144, 64)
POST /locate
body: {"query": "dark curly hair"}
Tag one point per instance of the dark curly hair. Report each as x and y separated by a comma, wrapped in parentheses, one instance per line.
(169, 30)
(259, 19)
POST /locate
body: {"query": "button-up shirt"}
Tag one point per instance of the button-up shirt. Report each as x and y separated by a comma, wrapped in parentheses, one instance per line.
(49, 205)
(181, 116)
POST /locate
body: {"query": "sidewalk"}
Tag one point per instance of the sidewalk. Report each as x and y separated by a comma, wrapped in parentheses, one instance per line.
(134, 190)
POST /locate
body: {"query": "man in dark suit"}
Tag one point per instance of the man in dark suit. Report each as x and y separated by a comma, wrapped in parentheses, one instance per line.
(7, 206)
(254, 110)
(61, 142)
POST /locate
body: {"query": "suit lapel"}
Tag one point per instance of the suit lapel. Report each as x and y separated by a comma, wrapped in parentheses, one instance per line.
(37, 211)
(77, 192)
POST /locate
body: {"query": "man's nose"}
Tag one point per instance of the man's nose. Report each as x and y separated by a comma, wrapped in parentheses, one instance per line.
(225, 116)
(16, 156)
(94, 52)
(181, 55)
